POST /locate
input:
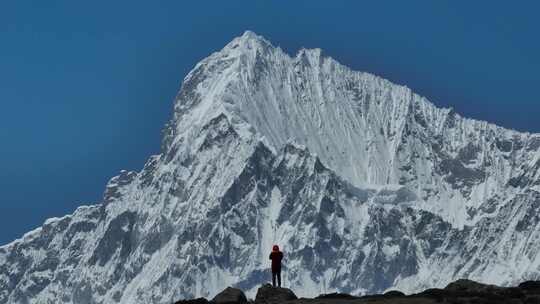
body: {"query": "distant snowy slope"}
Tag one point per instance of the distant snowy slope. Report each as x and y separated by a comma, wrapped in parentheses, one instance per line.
(366, 185)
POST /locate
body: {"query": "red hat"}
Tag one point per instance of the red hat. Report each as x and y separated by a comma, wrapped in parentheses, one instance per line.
(275, 248)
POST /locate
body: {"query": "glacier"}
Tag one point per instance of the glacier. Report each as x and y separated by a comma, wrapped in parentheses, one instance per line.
(365, 185)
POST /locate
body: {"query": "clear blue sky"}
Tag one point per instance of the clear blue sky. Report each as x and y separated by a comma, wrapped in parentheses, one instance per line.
(86, 86)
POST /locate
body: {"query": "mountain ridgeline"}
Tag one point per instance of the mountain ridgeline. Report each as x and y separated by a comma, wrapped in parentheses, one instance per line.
(365, 185)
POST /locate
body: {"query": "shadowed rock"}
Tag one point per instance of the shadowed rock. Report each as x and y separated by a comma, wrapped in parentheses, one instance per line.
(394, 294)
(471, 288)
(459, 292)
(230, 296)
(433, 293)
(194, 301)
(269, 294)
(336, 295)
(532, 287)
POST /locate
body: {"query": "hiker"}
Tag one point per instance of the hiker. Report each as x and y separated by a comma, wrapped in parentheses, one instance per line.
(276, 256)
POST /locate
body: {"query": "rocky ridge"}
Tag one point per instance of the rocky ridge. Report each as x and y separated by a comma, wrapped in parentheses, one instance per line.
(459, 292)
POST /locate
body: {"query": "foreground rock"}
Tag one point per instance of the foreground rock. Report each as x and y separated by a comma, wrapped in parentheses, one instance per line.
(459, 292)
(194, 301)
(230, 296)
(269, 294)
(466, 291)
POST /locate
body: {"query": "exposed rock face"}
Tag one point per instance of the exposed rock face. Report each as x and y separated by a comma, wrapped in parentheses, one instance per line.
(365, 185)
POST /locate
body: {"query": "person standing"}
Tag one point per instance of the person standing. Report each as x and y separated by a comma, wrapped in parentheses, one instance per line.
(276, 256)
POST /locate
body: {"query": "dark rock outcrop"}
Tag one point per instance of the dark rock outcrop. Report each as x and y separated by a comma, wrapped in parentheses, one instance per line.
(336, 295)
(394, 294)
(531, 287)
(269, 294)
(459, 292)
(194, 301)
(230, 296)
(467, 291)
(468, 288)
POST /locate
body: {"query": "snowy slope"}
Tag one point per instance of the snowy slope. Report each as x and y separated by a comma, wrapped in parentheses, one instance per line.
(366, 185)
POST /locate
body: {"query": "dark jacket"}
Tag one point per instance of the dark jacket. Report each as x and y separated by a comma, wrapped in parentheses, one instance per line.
(276, 257)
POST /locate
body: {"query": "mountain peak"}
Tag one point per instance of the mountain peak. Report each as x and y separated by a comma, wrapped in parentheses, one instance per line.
(249, 40)
(398, 179)
(360, 125)
(250, 35)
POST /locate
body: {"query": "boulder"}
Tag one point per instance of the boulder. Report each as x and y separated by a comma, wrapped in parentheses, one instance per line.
(269, 294)
(194, 301)
(230, 296)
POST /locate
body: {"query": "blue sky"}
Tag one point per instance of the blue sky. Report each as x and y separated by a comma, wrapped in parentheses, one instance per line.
(86, 86)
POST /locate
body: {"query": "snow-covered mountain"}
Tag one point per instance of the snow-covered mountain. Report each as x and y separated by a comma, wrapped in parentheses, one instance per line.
(366, 186)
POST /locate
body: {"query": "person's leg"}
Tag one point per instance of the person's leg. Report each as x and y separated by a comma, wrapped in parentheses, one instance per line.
(279, 278)
(273, 279)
